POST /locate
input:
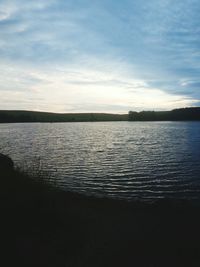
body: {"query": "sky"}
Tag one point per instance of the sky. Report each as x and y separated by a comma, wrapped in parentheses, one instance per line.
(100, 55)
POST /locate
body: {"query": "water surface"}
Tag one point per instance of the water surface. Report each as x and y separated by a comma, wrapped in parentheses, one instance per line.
(145, 160)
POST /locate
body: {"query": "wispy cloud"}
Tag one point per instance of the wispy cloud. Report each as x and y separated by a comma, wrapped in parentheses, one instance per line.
(101, 55)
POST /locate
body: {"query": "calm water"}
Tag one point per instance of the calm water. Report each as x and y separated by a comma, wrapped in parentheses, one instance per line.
(144, 160)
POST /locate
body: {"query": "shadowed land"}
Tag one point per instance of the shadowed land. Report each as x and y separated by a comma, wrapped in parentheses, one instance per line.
(7, 116)
(44, 226)
(181, 114)
(187, 114)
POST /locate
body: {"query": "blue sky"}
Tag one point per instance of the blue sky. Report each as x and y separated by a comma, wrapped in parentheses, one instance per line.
(100, 55)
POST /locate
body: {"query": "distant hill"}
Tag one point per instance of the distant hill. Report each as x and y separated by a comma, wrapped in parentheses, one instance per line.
(182, 114)
(7, 116)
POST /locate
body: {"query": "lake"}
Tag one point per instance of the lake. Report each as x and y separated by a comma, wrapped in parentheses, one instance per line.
(131, 160)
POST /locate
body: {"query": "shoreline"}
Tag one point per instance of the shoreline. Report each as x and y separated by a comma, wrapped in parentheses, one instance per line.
(181, 114)
(44, 226)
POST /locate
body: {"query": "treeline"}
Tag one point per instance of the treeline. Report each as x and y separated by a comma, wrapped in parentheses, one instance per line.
(182, 114)
(7, 116)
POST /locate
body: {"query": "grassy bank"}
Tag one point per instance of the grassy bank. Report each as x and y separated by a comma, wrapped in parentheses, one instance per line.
(43, 226)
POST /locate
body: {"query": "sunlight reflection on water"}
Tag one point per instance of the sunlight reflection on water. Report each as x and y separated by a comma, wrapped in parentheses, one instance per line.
(144, 160)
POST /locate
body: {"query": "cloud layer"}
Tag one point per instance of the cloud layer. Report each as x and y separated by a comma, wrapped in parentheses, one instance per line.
(102, 56)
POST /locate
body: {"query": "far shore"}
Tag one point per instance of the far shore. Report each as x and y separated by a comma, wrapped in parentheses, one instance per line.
(19, 116)
(44, 226)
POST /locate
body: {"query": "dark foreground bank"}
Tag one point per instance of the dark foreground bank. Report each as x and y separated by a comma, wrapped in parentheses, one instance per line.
(42, 226)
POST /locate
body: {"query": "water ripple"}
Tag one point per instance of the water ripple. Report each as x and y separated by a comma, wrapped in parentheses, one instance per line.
(117, 159)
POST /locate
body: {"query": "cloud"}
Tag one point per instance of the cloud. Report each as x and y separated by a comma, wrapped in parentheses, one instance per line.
(85, 89)
(106, 55)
